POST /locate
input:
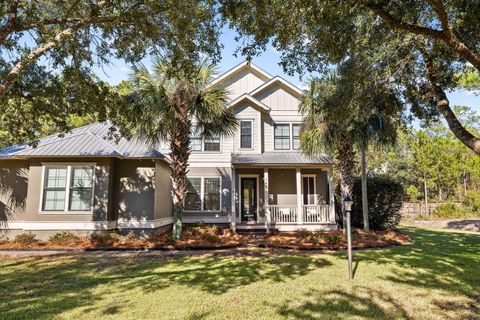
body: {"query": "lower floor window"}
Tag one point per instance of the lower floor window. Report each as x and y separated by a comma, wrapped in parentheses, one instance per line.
(67, 188)
(202, 193)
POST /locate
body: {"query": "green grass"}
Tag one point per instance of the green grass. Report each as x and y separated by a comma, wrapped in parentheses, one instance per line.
(436, 277)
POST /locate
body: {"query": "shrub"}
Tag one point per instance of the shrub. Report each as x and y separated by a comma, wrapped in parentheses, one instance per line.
(303, 234)
(385, 197)
(448, 210)
(472, 200)
(104, 238)
(3, 238)
(63, 238)
(25, 239)
(200, 229)
(210, 238)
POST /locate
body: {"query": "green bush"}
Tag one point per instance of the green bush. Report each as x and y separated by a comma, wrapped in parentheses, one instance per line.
(63, 238)
(3, 238)
(303, 234)
(472, 200)
(318, 236)
(104, 238)
(448, 210)
(385, 198)
(26, 238)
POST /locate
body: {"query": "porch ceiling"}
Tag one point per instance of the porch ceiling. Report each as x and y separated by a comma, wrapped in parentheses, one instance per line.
(279, 159)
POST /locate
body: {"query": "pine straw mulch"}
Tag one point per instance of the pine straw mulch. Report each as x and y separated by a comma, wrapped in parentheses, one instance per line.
(211, 238)
(335, 240)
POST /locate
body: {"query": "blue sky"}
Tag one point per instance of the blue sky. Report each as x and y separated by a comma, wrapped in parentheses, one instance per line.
(269, 61)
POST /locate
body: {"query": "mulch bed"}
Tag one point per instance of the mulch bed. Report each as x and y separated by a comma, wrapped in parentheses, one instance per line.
(214, 239)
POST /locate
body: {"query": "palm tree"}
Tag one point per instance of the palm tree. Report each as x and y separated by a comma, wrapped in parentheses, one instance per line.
(340, 115)
(168, 104)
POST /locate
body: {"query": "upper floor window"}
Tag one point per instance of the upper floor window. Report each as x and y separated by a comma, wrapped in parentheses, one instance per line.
(282, 136)
(295, 136)
(67, 188)
(246, 134)
(202, 193)
(199, 143)
(287, 136)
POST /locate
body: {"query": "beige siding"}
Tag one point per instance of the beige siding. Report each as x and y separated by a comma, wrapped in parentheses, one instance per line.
(242, 82)
(13, 189)
(163, 198)
(134, 189)
(277, 97)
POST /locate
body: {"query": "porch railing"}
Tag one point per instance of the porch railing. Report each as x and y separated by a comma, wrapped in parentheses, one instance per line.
(316, 213)
(283, 213)
(310, 214)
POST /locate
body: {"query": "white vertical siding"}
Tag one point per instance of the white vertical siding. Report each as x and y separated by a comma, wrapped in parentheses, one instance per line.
(242, 82)
(278, 98)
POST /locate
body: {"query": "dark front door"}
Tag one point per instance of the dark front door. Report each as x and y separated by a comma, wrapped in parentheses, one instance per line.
(248, 200)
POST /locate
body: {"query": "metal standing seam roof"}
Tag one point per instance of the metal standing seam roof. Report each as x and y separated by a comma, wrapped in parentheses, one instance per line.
(279, 158)
(87, 141)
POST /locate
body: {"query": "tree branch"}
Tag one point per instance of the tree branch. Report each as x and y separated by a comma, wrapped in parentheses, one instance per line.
(443, 106)
(11, 20)
(399, 24)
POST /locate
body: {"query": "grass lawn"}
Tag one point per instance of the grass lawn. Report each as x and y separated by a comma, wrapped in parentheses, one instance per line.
(436, 277)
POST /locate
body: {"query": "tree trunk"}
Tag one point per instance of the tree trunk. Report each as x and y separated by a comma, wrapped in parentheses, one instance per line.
(425, 192)
(346, 165)
(179, 155)
(443, 106)
(366, 224)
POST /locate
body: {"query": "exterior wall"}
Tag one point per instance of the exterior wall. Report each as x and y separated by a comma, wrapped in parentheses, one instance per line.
(242, 82)
(278, 98)
(282, 186)
(13, 189)
(163, 197)
(134, 190)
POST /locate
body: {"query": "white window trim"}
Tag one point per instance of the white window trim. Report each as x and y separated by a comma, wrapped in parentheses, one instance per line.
(314, 176)
(202, 194)
(290, 124)
(220, 138)
(252, 121)
(240, 177)
(69, 166)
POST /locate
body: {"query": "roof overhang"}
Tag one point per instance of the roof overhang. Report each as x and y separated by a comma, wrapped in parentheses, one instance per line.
(245, 64)
(278, 80)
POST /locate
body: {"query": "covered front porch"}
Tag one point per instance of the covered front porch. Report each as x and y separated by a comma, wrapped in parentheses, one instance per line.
(283, 196)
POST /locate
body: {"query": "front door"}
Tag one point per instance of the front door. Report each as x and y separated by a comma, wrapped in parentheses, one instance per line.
(248, 199)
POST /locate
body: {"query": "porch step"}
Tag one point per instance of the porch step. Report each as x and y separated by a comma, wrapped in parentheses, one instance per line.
(251, 229)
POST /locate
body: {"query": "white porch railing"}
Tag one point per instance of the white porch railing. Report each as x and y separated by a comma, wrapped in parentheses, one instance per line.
(289, 214)
(316, 213)
(283, 213)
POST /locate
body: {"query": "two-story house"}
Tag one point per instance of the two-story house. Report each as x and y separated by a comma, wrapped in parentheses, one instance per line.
(257, 178)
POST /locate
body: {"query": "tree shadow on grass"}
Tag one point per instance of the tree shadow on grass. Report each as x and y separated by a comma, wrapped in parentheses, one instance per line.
(335, 304)
(44, 287)
(440, 260)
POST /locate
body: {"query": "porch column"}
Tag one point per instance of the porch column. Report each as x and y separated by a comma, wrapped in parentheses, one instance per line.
(331, 195)
(268, 219)
(299, 196)
(233, 215)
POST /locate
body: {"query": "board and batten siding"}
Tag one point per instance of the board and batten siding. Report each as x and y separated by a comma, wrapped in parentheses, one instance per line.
(241, 82)
(277, 97)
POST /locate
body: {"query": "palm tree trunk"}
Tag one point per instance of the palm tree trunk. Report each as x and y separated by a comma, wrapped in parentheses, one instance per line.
(179, 155)
(346, 165)
(366, 224)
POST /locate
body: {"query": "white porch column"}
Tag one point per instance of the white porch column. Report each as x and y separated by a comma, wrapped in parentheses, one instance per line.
(233, 215)
(299, 196)
(268, 218)
(331, 191)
